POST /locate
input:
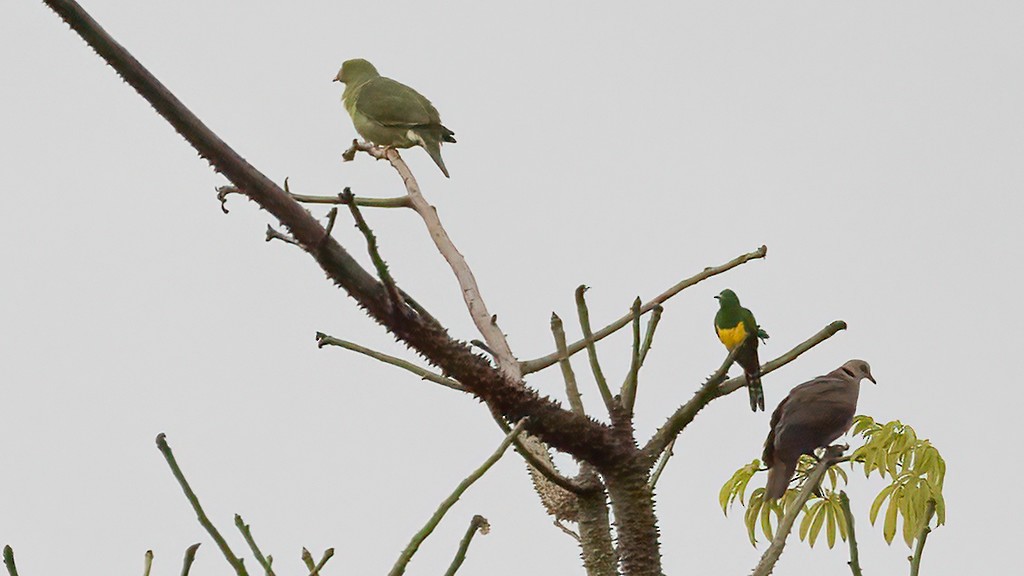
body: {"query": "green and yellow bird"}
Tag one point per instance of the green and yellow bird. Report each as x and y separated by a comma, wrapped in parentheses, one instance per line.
(389, 113)
(736, 327)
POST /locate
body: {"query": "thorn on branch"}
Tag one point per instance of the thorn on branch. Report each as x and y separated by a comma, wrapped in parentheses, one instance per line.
(222, 195)
(273, 234)
(572, 533)
(480, 344)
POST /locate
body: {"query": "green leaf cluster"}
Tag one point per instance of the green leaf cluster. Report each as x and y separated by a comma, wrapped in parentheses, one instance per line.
(914, 466)
(916, 472)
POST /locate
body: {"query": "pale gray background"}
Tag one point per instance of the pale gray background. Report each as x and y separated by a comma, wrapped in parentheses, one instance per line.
(875, 147)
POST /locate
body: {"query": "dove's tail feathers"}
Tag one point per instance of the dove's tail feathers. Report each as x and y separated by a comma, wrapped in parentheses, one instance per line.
(779, 476)
(756, 392)
(447, 135)
(433, 147)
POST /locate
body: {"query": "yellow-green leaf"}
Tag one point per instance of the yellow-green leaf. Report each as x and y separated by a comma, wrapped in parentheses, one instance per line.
(889, 527)
(840, 517)
(940, 508)
(809, 513)
(724, 494)
(877, 504)
(766, 521)
(750, 517)
(830, 525)
(819, 517)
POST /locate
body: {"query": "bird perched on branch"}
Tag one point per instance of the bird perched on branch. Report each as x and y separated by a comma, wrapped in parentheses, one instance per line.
(813, 415)
(389, 113)
(736, 328)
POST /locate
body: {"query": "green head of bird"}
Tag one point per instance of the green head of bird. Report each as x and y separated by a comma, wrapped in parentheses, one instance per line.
(859, 370)
(356, 71)
(727, 298)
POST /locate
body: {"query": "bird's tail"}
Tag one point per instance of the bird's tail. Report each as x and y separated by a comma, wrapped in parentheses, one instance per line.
(447, 135)
(756, 391)
(779, 476)
(433, 147)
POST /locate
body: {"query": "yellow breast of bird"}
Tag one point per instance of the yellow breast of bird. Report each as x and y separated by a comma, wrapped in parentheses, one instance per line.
(732, 337)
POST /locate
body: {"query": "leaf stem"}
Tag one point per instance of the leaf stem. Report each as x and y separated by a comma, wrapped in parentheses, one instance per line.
(844, 502)
(926, 529)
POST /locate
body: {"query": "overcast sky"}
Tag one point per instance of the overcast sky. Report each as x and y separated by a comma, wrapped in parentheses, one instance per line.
(875, 147)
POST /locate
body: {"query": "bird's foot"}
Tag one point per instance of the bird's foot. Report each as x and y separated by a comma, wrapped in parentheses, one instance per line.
(350, 154)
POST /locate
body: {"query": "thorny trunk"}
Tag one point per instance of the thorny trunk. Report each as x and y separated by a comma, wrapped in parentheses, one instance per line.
(635, 524)
(598, 552)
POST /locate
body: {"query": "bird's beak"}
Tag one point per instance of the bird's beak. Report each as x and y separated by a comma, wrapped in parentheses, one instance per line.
(336, 80)
(872, 378)
(717, 297)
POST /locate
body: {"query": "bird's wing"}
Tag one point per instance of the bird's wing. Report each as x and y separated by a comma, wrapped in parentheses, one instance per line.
(817, 412)
(391, 103)
(768, 456)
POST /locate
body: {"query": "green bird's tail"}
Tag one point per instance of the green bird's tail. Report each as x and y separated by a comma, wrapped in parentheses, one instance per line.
(447, 135)
(756, 392)
(747, 359)
(433, 147)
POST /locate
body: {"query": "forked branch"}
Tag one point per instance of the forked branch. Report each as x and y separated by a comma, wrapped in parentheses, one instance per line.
(530, 366)
(686, 413)
(428, 528)
(774, 551)
(503, 391)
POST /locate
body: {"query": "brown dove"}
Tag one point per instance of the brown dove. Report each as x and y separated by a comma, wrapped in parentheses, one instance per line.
(813, 415)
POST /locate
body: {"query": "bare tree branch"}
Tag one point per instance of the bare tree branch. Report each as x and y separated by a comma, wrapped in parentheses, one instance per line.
(190, 557)
(247, 535)
(540, 462)
(571, 389)
(485, 322)
(588, 339)
(662, 462)
(774, 551)
(733, 384)
(686, 413)
(628, 390)
(325, 340)
(428, 528)
(234, 561)
(12, 569)
(530, 366)
(652, 325)
(314, 569)
(371, 246)
(477, 524)
(504, 391)
(148, 563)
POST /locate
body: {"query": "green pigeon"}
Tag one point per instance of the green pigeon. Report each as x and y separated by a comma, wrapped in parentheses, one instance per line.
(736, 328)
(389, 113)
(813, 415)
